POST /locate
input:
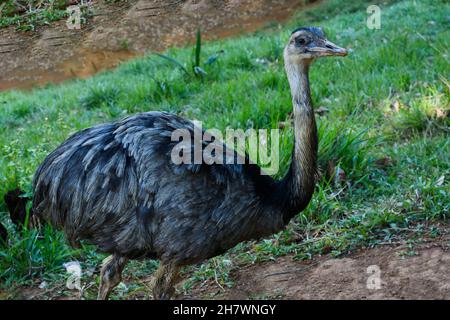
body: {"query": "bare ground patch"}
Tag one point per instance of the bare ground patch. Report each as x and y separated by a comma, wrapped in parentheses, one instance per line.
(405, 273)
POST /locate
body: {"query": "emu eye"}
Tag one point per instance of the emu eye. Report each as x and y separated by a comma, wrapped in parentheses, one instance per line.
(301, 41)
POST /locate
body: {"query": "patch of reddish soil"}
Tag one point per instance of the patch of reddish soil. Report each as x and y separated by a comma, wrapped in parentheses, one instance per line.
(123, 30)
(424, 275)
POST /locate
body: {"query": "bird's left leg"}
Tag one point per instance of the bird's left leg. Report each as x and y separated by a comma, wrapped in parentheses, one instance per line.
(110, 275)
(165, 279)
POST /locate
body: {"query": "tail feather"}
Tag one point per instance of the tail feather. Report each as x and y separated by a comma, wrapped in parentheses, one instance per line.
(16, 201)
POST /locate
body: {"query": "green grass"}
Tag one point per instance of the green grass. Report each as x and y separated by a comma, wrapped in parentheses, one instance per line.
(27, 15)
(386, 131)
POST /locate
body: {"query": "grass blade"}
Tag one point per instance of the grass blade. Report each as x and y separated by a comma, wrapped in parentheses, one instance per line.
(174, 61)
(198, 48)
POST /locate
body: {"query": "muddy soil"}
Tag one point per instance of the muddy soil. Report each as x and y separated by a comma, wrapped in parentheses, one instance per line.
(123, 30)
(404, 273)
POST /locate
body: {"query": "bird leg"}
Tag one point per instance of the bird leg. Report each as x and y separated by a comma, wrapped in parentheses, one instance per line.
(110, 275)
(165, 279)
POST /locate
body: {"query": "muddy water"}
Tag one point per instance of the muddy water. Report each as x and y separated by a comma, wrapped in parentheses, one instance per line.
(82, 65)
(87, 59)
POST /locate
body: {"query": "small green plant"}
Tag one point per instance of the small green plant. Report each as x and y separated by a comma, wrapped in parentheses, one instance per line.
(26, 15)
(426, 115)
(343, 148)
(124, 44)
(100, 95)
(197, 70)
(31, 253)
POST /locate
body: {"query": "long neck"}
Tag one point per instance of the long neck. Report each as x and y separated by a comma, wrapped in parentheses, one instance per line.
(298, 184)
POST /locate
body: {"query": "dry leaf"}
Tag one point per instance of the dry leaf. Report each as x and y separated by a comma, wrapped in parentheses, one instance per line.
(440, 181)
(322, 110)
(384, 162)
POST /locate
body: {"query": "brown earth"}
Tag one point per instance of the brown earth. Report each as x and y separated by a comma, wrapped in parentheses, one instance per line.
(404, 273)
(421, 271)
(123, 30)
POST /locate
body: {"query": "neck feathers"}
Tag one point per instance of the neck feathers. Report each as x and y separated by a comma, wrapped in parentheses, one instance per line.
(298, 184)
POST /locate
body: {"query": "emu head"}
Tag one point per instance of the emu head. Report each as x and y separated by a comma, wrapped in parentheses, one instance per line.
(306, 44)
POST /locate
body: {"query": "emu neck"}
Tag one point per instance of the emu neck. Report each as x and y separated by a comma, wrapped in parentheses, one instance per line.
(299, 182)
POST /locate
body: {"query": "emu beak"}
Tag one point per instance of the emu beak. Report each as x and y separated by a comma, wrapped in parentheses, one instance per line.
(328, 48)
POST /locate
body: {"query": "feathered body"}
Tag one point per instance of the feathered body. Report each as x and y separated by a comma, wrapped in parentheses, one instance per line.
(116, 186)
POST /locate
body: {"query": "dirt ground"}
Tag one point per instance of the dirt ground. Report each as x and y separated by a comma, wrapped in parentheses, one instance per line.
(123, 30)
(422, 272)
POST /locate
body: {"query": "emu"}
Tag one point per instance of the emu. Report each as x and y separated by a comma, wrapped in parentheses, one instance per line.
(114, 185)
